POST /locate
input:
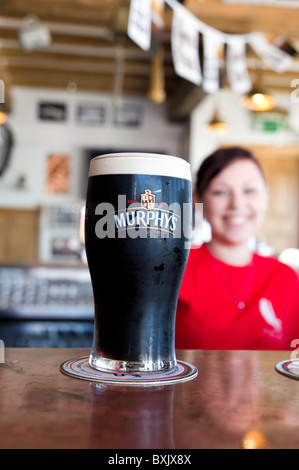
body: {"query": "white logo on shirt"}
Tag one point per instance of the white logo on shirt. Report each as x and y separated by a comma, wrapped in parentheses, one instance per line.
(268, 314)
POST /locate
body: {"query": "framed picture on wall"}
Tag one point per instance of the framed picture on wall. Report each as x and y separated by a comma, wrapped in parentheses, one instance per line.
(58, 173)
(91, 114)
(64, 216)
(128, 115)
(65, 247)
(56, 112)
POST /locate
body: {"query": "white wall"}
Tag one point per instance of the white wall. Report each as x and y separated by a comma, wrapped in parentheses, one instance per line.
(239, 120)
(35, 140)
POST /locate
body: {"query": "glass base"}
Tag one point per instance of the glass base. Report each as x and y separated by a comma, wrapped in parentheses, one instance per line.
(105, 364)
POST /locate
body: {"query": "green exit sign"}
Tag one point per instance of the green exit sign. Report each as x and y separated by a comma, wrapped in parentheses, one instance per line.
(270, 121)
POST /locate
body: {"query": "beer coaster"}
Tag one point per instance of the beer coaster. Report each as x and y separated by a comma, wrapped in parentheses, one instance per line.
(80, 369)
(290, 368)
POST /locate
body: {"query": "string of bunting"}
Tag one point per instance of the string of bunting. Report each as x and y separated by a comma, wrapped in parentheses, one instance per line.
(185, 30)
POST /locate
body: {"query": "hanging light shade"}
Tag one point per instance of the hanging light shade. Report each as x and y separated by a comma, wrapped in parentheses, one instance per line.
(217, 125)
(157, 86)
(258, 100)
(3, 114)
(2, 117)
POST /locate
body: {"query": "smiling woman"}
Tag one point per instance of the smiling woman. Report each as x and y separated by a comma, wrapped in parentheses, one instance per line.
(232, 298)
(234, 194)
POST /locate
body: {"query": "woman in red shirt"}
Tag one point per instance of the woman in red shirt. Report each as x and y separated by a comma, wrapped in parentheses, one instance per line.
(232, 298)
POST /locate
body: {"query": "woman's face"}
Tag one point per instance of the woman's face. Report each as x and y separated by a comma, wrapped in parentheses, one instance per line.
(235, 201)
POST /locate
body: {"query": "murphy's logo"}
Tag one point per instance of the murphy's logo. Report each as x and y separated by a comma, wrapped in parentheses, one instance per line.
(148, 200)
(145, 218)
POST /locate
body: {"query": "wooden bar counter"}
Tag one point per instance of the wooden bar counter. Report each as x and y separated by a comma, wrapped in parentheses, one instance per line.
(238, 400)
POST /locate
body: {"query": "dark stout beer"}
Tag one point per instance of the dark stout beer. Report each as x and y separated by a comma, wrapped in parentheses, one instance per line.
(137, 234)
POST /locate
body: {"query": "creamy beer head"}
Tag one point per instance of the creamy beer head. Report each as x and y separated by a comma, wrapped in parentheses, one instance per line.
(141, 163)
(137, 234)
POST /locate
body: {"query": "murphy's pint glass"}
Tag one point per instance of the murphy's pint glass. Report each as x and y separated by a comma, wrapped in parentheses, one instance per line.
(137, 237)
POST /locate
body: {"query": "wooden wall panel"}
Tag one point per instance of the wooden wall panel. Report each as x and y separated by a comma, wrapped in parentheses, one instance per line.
(19, 235)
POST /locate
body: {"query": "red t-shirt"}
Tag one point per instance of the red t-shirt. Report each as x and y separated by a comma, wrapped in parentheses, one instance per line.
(208, 316)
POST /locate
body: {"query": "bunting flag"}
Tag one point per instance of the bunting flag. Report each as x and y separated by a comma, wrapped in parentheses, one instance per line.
(268, 3)
(236, 67)
(211, 64)
(140, 23)
(272, 55)
(185, 47)
(158, 14)
(185, 32)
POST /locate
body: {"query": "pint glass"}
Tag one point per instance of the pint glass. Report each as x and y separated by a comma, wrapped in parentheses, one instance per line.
(137, 237)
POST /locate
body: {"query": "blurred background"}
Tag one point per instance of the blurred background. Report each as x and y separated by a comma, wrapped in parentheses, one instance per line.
(79, 78)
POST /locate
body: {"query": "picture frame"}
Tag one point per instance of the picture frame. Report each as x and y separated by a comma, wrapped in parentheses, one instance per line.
(58, 173)
(52, 111)
(90, 114)
(128, 115)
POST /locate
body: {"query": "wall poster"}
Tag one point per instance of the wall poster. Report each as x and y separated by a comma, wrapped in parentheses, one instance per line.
(58, 173)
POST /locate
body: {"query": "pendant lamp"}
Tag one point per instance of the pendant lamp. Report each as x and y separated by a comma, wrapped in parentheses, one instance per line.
(217, 125)
(2, 117)
(3, 110)
(157, 86)
(258, 100)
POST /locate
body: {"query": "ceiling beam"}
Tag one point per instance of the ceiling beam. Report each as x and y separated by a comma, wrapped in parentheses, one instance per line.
(96, 12)
(245, 18)
(89, 37)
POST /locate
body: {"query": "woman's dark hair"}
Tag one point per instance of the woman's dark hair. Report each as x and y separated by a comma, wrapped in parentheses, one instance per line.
(217, 161)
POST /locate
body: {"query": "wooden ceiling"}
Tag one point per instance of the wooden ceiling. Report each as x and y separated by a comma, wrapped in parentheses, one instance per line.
(89, 45)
